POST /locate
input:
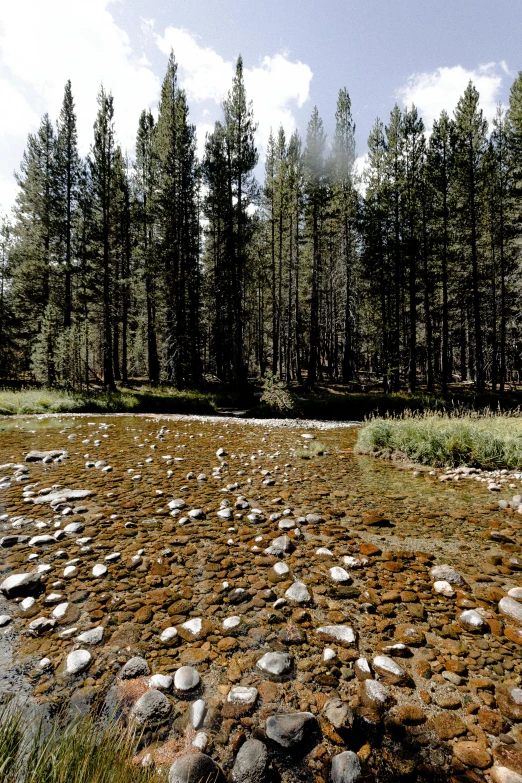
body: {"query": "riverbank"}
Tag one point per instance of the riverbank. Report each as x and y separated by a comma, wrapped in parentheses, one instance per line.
(323, 402)
(488, 442)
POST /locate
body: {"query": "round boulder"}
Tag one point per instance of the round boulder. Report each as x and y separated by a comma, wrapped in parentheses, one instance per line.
(194, 768)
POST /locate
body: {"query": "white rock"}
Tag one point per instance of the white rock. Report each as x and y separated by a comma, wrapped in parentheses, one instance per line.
(5, 619)
(186, 678)
(446, 573)
(281, 568)
(471, 619)
(162, 682)
(504, 775)
(69, 571)
(27, 603)
(200, 741)
(353, 562)
(60, 610)
(193, 626)
(298, 592)
(338, 574)
(99, 570)
(275, 663)
(336, 633)
(443, 588)
(168, 634)
(242, 695)
(231, 622)
(198, 710)
(323, 552)
(511, 608)
(77, 661)
(328, 654)
(388, 668)
(92, 636)
(516, 593)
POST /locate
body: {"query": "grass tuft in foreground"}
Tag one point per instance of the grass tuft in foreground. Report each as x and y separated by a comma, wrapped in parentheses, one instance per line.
(85, 750)
(485, 441)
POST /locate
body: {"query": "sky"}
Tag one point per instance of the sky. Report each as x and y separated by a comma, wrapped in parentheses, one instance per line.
(296, 54)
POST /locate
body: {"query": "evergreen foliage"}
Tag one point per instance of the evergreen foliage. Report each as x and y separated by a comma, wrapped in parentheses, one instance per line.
(177, 271)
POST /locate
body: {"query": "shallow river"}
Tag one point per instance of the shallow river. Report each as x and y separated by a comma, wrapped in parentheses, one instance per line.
(161, 567)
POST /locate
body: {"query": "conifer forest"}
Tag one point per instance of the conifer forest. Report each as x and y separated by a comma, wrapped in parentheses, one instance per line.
(178, 270)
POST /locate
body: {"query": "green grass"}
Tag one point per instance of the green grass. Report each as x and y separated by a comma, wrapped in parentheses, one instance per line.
(488, 441)
(85, 750)
(142, 400)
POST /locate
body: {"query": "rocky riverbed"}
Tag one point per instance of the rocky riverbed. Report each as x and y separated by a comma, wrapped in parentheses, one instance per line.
(262, 603)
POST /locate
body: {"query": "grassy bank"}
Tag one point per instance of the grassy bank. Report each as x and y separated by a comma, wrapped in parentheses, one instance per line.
(142, 400)
(486, 441)
(84, 750)
(327, 402)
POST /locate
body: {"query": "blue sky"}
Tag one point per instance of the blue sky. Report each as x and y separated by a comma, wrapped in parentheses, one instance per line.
(296, 54)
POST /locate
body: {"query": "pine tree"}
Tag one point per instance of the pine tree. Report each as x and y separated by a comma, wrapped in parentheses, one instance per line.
(176, 212)
(102, 166)
(67, 183)
(145, 175)
(242, 157)
(440, 164)
(315, 194)
(344, 199)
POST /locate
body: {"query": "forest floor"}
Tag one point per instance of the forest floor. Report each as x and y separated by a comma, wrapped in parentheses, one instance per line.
(326, 401)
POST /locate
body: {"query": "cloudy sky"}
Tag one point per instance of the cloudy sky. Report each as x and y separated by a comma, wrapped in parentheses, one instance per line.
(296, 53)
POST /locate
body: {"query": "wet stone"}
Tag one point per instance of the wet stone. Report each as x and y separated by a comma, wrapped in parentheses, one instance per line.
(276, 663)
(135, 667)
(77, 662)
(186, 679)
(290, 730)
(346, 768)
(251, 762)
(195, 768)
(151, 708)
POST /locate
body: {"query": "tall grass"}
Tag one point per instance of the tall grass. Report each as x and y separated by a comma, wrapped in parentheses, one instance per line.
(85, 750)
(489, 441)
(144, 400)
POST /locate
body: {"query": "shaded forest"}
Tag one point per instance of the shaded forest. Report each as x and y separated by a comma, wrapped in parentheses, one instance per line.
(181, 271)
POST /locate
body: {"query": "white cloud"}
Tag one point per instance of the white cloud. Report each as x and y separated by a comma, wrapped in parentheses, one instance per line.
(441, 89)
(202, 128)
(276, 85)
(42, 44)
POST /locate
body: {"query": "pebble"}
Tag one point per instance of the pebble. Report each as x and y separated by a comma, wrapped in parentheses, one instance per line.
(242, 695)
(195, 768)
(162, 682)
(346, 768)
(92, 636)
(290, 730)
(135, 667)
(512, 608)
(338, 574)
(336, 633)
(198, 710)
(299, 593)
(151, 708)
(168, 634)
(186, 679)
(77, 662)
(20, 585)
(251, 762)
(277, 663)
(446, 573)
(99, 570)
